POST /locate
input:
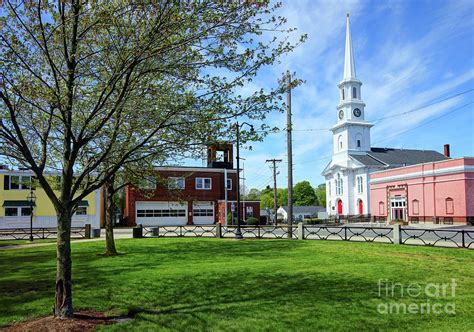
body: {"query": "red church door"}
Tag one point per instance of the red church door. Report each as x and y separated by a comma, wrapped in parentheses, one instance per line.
(339, 207)
(361, 207)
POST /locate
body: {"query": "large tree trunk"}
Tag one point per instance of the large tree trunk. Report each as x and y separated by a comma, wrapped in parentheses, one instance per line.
(109, 227)
(63, 306)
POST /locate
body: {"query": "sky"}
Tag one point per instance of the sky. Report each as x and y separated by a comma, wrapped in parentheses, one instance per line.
(408, 54)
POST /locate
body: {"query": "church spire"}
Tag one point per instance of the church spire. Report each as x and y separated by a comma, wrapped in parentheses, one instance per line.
(349, 64)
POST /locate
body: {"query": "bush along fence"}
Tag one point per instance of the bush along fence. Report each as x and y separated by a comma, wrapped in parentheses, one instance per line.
(395, 234)
(85, 232)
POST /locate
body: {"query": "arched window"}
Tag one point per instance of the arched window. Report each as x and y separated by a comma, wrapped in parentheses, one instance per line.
(354, 92)
(449, 205)
(339, 142)
(381, 208)
(415, 205)
(342, 186)
(339, 184)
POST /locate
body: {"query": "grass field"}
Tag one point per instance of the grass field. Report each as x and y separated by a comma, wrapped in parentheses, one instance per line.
(273, 285)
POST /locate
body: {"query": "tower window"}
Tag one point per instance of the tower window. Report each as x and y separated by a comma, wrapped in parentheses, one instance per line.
(354, 92)
(358, 143)
(343, 97)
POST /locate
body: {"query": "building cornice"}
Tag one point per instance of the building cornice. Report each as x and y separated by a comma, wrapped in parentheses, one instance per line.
(425, 173)
(351, 123)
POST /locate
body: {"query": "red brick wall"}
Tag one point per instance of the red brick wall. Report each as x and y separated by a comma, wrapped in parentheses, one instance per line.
(189, 193)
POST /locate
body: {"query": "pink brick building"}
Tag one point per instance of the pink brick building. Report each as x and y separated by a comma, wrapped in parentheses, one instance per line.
(436, 192)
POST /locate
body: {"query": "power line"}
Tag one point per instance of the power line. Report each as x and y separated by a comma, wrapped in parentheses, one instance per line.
(274, 168)
(400, 114)
(425, 123)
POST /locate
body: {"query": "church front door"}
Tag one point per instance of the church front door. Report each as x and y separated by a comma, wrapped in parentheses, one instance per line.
(339, 207)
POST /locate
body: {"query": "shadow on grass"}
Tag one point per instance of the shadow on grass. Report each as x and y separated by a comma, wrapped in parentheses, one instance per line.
(212, 284)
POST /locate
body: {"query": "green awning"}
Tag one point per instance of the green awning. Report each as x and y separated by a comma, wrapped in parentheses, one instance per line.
(17, 203)
(83, 203)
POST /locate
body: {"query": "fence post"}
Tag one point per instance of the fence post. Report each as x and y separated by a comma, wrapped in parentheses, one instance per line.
(218, 230)
(137, 231)
(463, 240)
(345, 233)
(397, 234)
(300, 231)
(87, 232)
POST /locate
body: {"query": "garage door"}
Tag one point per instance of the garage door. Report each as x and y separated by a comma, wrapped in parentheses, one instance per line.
(161, 213)
(203, 213)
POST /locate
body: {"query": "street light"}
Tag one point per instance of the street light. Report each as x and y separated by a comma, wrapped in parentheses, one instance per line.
(238, 234)
(31, 199)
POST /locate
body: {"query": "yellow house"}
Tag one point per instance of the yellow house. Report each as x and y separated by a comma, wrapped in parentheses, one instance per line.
(15, 210)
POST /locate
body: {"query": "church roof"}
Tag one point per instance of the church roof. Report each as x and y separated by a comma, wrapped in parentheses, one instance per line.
(390, 158)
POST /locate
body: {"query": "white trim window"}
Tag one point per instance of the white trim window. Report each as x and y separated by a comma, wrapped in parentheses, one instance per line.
(204, 183)
(229, 184)
(339, 184)
(19, 182)
(360, 185)
(81, 211)
(176, 183)
(17, 211)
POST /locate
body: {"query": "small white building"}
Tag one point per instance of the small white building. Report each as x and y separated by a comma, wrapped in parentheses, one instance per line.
(300, 212)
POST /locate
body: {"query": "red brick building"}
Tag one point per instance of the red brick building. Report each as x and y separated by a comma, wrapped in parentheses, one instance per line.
(188, 195)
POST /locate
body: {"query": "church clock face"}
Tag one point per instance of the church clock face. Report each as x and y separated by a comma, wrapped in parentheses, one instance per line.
(357, 112)
(341, 114)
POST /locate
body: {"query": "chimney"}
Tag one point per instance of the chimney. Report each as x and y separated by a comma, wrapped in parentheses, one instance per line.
(446, 151)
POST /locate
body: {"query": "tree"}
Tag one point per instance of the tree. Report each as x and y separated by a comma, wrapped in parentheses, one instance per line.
(253, 194)
(266, 201)
(282, 196)
(90, 87)
(321, 194)
(304, 195)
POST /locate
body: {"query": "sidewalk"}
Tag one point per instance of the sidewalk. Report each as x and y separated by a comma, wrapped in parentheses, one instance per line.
(119, 233)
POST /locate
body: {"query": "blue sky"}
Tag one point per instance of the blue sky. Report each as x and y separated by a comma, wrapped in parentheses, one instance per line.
(408, 53)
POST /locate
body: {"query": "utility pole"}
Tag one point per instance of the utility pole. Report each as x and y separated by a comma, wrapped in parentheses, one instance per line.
(274, 167)
(290, 156)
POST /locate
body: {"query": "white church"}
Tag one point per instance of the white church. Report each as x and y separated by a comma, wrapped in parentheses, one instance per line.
(353, 159)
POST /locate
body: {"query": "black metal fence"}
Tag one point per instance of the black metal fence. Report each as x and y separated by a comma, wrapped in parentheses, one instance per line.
(457, 238)
(348, 233)
(41, 233)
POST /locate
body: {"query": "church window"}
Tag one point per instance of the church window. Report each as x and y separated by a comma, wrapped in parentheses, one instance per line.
(354, 92)
(339, 185)
(343, 97)
(339, 142)
(360, 186)
(358, 143)
(449, 205)
(329, 187)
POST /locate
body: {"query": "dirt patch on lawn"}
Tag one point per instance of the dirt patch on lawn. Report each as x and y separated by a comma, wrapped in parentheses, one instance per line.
(85, 320)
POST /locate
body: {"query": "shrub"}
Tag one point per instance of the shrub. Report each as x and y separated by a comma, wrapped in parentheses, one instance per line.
(251, 221)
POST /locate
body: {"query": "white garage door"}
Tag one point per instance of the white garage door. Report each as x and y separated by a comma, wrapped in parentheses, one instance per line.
(161, 213)
(203, 213)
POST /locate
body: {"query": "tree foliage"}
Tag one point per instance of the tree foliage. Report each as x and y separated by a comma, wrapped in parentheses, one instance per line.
(304, 195)
(321, 194)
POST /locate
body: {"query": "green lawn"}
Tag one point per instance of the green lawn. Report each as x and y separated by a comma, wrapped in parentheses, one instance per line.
(210, 284)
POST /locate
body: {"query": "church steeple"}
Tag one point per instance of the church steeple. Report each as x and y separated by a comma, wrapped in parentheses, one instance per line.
(351, 132)
(349, 64)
